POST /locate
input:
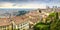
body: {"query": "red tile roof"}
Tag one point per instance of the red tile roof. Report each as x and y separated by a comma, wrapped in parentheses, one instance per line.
(4, 21)
(21, 19)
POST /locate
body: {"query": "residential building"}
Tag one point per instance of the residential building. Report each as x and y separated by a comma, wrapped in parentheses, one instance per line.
(23, 22)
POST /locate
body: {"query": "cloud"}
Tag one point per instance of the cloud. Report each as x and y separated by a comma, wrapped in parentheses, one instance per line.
(6, 4)
(33, 6)
(12, 5)
(28, 3)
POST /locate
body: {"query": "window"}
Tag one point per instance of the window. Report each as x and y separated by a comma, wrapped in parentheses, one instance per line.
(4, 27)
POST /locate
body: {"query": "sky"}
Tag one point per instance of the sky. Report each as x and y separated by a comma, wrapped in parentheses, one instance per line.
(28, 3)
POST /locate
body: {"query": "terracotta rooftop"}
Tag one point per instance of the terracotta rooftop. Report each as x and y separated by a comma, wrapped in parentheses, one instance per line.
(4, 21)
(17, 20)
(21, 19)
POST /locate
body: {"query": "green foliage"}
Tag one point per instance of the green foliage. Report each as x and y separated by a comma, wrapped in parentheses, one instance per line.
(41, 26)
(21, 13)
(57, 15)
(52, 25)
(52, 15)
(15, 29)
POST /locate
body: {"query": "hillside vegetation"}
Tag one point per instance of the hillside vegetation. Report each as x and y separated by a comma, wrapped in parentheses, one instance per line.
(52, 23)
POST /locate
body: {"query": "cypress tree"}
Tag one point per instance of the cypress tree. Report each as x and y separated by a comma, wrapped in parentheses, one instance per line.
(40, 11)
(57, 15)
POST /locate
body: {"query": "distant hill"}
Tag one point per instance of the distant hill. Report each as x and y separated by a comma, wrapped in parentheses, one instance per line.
(22, 12)
(13, 11)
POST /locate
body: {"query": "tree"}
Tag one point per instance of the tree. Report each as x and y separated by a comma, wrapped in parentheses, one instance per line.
(41, 26)
(54, 25)
(57, 15)
(21, 13)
